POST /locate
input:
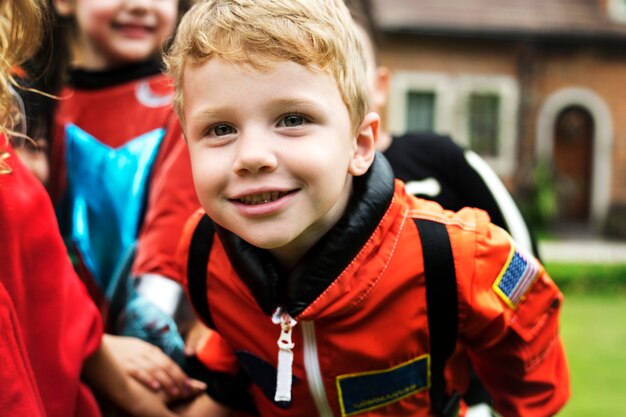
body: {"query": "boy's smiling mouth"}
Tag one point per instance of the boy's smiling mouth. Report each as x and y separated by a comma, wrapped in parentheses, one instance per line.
(262, 198)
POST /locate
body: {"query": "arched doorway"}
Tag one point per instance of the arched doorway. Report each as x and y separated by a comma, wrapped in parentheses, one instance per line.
(573, 155)
(601, 166)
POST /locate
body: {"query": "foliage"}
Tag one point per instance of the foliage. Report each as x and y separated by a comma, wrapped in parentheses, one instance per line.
(540, 205)
(585, 278)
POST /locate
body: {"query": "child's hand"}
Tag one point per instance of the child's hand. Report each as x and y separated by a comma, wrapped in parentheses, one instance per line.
(153, 368)
(202, 406)
(141, 402)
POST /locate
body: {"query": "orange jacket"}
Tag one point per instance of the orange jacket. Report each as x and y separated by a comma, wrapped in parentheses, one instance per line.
(361, 342)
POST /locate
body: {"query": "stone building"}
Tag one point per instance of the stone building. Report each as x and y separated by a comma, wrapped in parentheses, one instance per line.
(525, 83)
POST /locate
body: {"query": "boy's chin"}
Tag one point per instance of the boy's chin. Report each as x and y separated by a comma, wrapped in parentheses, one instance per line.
(266, 242)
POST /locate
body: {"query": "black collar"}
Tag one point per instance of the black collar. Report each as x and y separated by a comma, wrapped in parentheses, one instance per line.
(93, 80)
(324, 262)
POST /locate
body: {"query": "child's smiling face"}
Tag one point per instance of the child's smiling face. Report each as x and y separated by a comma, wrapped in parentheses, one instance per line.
(273, 152)
(116, 32)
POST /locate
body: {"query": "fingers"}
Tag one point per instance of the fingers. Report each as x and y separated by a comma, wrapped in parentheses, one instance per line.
(145, 378)
(146, 403)
(156, 368)
(149, 365)
(196, 386)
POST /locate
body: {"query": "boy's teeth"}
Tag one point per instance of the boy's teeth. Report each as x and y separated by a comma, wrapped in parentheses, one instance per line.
(261, 198)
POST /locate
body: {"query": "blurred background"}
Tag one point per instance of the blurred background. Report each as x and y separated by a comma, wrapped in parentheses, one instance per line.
(527, 84)
(538, 89)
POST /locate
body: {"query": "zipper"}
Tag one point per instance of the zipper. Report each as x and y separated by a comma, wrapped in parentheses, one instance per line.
(285, 355)
(311, 362)
(313, 371)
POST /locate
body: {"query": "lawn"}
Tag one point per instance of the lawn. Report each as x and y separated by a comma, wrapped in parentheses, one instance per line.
(593, 327)
(588, 278)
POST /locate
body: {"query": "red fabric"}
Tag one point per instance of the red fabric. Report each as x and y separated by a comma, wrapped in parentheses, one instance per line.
(19, 395)
(114, 115)
(49, 323)
(373, 317)
(172, 200)
(216, 352)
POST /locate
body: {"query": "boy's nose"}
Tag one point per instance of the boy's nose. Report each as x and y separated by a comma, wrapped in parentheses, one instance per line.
(254, 155)
(138, 4)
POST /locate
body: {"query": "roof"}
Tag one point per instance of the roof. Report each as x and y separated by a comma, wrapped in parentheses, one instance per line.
(524, 18)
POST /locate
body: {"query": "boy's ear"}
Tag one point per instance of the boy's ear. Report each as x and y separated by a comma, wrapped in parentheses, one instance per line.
(364, 151)
(64, 8)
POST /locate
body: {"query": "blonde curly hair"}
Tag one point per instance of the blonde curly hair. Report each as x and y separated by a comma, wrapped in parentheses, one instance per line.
(318, 34)
(21, 28)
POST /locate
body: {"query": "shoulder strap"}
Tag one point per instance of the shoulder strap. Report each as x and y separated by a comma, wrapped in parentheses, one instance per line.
(199, 250)
(231, 390)
(442, 303)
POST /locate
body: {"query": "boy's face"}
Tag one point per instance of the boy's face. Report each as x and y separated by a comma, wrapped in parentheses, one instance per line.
(113, 32)
(273, 152)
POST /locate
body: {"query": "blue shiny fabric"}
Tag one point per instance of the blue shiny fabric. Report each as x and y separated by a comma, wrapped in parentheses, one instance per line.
(106, 195)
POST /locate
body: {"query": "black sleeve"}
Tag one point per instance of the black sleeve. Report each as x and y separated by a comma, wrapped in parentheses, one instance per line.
(464, 181)
(418, 156)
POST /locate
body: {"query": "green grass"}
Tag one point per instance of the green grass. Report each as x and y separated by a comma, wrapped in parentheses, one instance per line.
(581, 278)
(593, 327)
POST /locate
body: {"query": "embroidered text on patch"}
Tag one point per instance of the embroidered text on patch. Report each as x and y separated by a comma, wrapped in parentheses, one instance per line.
(516, 277)
(364, 391)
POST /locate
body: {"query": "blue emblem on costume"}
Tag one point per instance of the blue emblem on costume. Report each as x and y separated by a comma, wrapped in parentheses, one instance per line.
(101, 217)
(106, 195)
(363, 391)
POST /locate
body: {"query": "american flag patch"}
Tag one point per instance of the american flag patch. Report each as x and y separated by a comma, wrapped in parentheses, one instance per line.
(516, 277)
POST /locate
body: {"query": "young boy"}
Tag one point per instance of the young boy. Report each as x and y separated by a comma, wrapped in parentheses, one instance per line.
(308, 263)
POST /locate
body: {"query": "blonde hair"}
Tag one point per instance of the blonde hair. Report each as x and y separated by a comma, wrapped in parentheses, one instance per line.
(20, 32)
(318, 34)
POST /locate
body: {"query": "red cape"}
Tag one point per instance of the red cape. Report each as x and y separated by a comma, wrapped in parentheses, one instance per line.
(49, 323)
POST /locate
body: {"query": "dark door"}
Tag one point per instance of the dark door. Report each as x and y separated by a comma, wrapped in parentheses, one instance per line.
(573, 152)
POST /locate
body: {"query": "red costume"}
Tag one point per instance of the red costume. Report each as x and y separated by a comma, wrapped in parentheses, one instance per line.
(172, 200)
(115, 107)
(49, 323)
(361, 342)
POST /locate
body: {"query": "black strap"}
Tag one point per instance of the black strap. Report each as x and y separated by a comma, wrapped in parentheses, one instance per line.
(230, 390)
(199, 250)
(442, 303)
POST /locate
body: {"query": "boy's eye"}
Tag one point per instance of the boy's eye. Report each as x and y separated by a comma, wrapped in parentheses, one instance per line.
(221, 130)
(292, 120)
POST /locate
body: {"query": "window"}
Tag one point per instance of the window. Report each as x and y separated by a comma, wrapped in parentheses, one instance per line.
(478, 111)
(483, 128)
(617, 10)
(420, 111)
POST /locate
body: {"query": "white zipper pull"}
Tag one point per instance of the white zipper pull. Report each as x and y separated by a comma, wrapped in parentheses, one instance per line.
(285, 355)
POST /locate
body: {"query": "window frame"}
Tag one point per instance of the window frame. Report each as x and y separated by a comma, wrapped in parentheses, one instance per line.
(452, 95)
(617, 10)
